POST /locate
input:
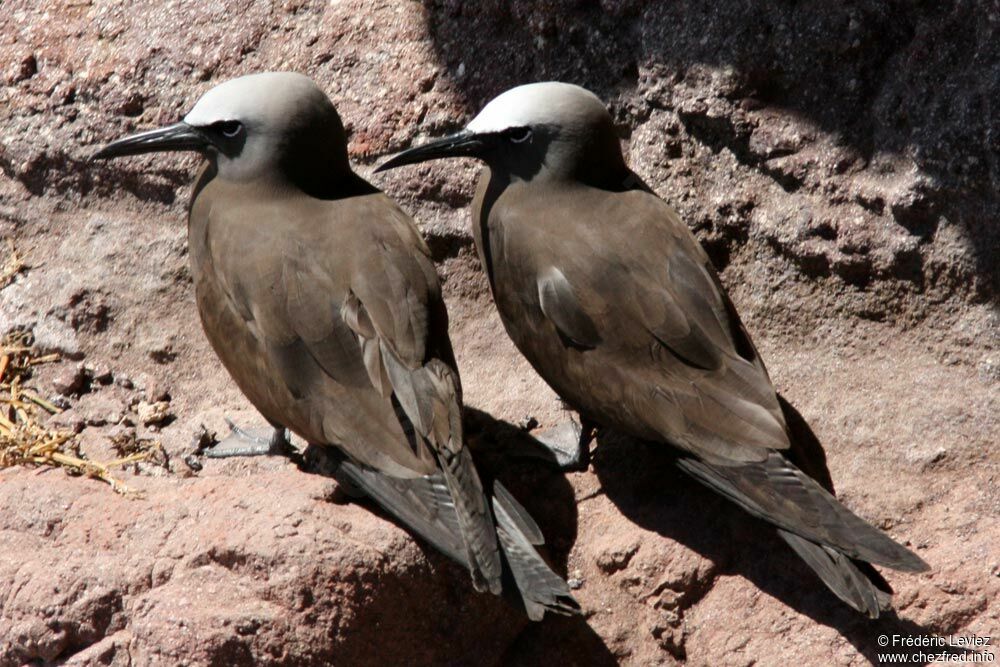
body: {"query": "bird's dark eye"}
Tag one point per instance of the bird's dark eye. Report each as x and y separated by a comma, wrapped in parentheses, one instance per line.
(228, 128)
(519, 135)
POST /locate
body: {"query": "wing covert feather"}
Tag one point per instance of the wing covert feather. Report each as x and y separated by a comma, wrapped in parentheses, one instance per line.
(635, 287)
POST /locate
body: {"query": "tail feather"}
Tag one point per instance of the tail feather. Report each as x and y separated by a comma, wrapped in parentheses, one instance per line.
(541, 589)
(476, 526)
(836, 543)
(840, 574)
(423, 504)
(426, 506)
(779, 493)
(517, 514)
(428, 397)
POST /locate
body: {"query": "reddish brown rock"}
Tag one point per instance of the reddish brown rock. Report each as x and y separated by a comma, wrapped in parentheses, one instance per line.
(837, 161)
(69, 381)
(256, 569)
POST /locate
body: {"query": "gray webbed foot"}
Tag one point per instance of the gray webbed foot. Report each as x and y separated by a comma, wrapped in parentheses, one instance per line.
(567, 446)
(251, 442)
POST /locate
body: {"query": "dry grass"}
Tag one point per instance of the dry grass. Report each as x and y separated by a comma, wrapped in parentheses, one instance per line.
(23, 439)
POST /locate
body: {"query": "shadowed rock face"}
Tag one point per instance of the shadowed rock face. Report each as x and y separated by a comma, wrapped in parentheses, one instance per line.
(850, 134)
(839, 164)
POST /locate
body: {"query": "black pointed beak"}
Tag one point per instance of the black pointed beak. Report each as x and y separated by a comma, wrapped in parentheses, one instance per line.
(462, 144)
(176, 137)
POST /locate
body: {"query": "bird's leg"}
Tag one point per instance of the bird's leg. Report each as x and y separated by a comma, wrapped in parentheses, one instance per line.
(566, 445)
(243, 442)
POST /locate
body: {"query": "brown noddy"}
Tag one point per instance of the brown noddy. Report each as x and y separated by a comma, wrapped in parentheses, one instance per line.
(319, 296)
(617, 306)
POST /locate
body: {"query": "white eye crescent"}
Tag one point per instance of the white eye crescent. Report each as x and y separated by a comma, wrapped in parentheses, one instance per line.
(519, 135)
(229, 128)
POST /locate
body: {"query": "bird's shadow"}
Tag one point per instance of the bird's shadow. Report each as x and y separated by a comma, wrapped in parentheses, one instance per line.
(643, 482)
(498, 447)
(547, 495)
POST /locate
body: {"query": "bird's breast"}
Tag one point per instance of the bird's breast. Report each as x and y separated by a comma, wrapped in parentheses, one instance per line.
(222, 259)
(511, 261)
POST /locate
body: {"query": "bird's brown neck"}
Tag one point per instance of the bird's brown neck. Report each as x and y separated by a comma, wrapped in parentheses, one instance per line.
(328, 182)
(314, 160)
(334, 182)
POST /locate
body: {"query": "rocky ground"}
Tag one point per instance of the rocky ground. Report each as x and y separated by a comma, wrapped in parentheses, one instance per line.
(840, 163)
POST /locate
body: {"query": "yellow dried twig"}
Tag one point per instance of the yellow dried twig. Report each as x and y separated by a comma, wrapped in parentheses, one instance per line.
(41, 402)
(25, 441)
(45, 359)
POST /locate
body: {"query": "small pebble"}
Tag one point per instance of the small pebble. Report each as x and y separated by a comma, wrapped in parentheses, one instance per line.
(60, 402)
(156, 391)
(69, 381)
(101, 374)
(153, 413)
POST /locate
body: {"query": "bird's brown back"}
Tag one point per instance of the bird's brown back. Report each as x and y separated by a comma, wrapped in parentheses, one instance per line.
(637, 333)
(273, 269)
